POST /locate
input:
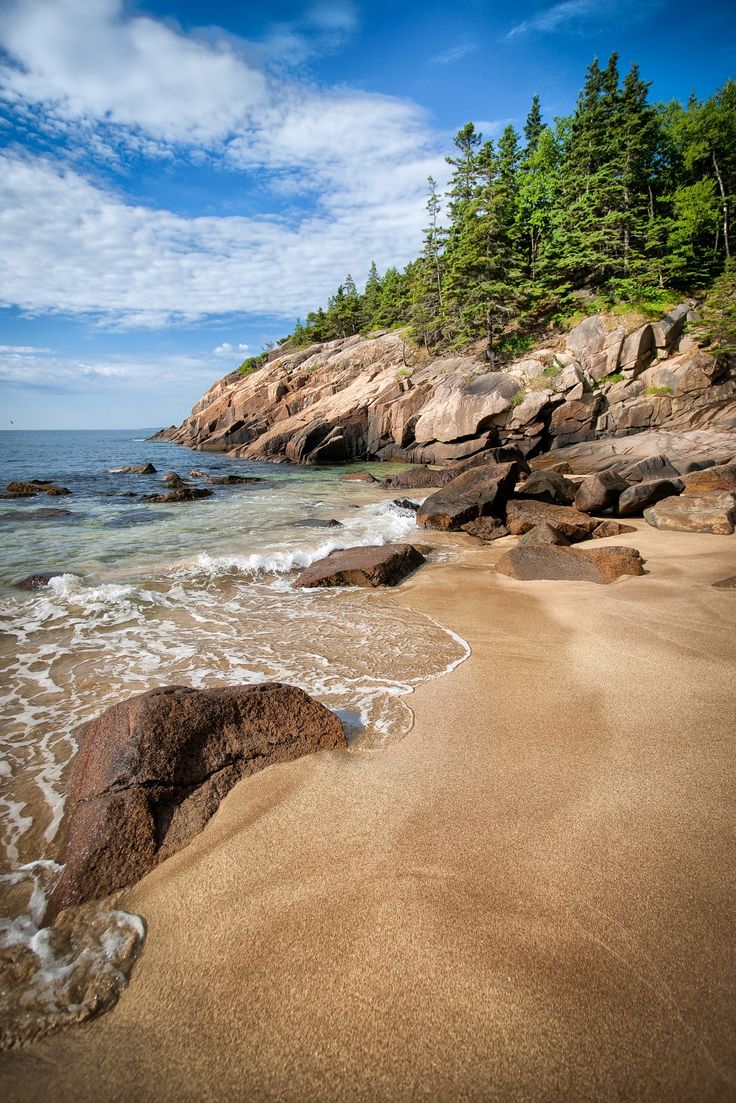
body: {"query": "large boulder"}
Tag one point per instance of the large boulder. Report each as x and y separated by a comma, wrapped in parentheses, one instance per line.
(599, 491)
(711, 513)
(374, 565)
(543, 533)
(486, 529)
(417, 478)
(713, 480)
(182, 494)
(526, 514)
(153, 769)
(599, 565)
(574, 420)
(596, 346)
(136, 469)
(636, 498)
(475, 493)
(666, 332)
(548, 486)
(651, 467)
(464, 406)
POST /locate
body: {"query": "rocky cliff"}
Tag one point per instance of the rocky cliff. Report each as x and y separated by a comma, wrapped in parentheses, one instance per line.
(375, 398)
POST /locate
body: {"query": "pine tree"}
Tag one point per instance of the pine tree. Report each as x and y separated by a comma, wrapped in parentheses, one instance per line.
(426, 285)
(533, 126)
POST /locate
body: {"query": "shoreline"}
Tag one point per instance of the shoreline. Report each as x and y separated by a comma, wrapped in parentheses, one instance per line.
(528, 896)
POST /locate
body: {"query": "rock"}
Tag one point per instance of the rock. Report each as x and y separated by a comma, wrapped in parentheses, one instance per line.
(611, 528)
(406, 503)
(725, 583)
(473, 494)
(237, 480)
(486, 529)
(653, 467)
(153, 769)
(463, 406)
(197, 474)
(710, 513)
(359, 477)
(36, 581)
(599, 492)
(560, 468)
(173, 480)
(548, 486)
(574, 420)
(135, 469)
(599, 565)
(543, 533)
(637, 351)
(596, 346)
(183, 494)
(524, 515)
(667, 331)
(416, 478)
(34, 514)
(721, 479)
(375, 565)
(17, 489)
(636, 498)
(318, 523)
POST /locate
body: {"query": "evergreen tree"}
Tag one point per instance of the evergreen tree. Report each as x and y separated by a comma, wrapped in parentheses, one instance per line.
(533, 126)
(426, 286)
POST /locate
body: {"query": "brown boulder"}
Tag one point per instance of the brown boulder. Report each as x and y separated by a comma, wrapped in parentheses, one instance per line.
(475, 493)
(726, 583)
(375, 565)
(611, 528)
(417, 478)
(543, 534)
(548, 486)
(236, 480)
(486, 529)
(152, 770)
(713, 480)
(710, 513)
(599, 565)
(137, 469)
(599, 491)
(651, 467)
(636, 498)
(173, 480)
(524, 515)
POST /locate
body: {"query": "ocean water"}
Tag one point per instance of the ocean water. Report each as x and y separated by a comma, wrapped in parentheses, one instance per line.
(195, 593)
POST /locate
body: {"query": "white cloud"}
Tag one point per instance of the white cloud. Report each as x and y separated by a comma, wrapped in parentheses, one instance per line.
(88, 72)
(69, 246)
(575, 14)
(455, 53)
(30, 369)
(226, 349)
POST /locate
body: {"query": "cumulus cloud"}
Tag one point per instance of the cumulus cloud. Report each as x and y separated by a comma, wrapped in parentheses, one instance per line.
(226, 349)
(90, 73)
(70, 246)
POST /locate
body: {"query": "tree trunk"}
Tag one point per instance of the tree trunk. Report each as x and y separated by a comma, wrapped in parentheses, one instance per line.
(724, 204)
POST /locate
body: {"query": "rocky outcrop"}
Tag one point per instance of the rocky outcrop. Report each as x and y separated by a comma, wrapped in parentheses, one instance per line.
(375, 398)
(562, 564)
(374, 565)
(152, 770)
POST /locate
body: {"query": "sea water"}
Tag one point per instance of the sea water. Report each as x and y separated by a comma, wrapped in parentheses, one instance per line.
(197, 593)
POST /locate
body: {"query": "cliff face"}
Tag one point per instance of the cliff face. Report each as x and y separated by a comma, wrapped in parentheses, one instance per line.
(371, 398)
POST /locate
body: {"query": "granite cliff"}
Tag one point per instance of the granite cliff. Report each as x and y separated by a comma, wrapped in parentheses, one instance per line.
(376, 398)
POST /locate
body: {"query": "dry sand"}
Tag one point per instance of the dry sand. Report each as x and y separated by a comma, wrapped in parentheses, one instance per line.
(531, 897)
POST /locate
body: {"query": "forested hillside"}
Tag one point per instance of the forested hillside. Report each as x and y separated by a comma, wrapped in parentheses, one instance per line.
(623, 202)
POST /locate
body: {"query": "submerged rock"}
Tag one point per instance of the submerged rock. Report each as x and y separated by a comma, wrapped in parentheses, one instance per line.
(36, 581)
(135, 469)
(236, 480)
(317, 523)
(153, 769)
(374, 565)
(48, 514)
(359, 477)
(183, 494)
(599, 565)
(17, 489)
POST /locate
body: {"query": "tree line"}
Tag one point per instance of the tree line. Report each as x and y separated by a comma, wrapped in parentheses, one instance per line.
(622, 202)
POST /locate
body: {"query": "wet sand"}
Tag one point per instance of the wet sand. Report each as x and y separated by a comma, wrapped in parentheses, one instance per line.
(531, 897)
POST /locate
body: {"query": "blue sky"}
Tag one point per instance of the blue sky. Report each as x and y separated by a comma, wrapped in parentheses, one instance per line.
(180, 180)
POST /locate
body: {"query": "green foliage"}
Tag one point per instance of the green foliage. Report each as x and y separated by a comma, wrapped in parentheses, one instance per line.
(552, 369)
(518, 398)
(253, 363)
(613, 377)
(658, 390)
(619, 207)
(404, 373)
(717, 323)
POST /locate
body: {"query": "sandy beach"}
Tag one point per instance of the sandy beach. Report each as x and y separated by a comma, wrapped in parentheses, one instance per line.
(530, 897)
